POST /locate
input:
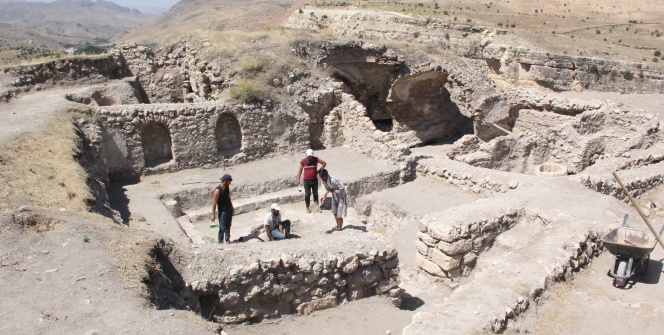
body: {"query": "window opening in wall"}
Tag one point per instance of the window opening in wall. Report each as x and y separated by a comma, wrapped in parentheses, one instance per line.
(228, 135)
(157, 147)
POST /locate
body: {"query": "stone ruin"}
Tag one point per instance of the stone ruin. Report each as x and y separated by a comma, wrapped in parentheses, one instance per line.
(399, 119)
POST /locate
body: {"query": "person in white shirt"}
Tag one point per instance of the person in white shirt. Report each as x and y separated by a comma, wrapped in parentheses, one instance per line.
(274, 227)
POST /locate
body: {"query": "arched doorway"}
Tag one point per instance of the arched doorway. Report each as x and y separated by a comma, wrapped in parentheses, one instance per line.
(228, 135)
(156, 140)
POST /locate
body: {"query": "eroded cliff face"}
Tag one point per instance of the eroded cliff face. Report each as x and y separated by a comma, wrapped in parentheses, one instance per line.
(512, 59)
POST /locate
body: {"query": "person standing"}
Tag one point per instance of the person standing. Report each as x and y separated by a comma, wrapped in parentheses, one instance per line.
(339, 206)
(274, 227)
(222, 201)
(310, 167)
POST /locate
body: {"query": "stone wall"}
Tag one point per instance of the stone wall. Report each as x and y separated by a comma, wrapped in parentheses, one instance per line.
(61, 72)
(478, 180)
(637, 181)
(176, 137)
(449, 249)
(268, 281)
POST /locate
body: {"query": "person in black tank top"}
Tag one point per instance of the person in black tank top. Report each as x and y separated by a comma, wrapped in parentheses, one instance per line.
(222, 200)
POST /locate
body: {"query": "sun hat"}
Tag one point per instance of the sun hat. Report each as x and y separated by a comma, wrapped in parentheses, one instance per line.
(275, 206)
(226, 177)
(310, 152)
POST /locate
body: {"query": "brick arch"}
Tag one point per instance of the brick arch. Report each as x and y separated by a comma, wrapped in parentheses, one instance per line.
(228, 134)
(156, 141)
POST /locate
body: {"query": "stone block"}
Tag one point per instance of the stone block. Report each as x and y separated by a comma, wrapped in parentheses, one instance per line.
(426, 239)
(317, 304)
(457, 247)
(429, 266)
(448, 233)
(445, 262)
(422, 248)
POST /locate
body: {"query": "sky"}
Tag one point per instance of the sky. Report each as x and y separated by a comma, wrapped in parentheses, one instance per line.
(134, 3)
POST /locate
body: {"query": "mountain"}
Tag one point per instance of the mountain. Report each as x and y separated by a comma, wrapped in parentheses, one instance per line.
(213, 15)
(66, 21)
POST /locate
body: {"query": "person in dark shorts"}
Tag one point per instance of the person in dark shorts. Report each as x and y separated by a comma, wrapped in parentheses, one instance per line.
(222, 201)
(339, 203)
(310, 167)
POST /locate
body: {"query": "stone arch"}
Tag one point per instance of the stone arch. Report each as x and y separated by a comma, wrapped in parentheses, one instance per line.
(369, 83)
(156, 141)
(228, 135)
(421, 103)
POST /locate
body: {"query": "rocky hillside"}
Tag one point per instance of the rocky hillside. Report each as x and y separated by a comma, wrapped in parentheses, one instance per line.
(213, 15)
(66, 21)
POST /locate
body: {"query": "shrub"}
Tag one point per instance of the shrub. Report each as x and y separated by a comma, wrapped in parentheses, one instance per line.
(246, 90)
(500, 24)
(513, 25)
(657, 53)
(594, 69)
(89, 50)
(655, 59)
(416, 34)
(446, 12)
(628, 75)
(597, 32)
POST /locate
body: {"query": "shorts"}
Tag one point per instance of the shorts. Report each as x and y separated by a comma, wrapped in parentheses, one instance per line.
(339, 206)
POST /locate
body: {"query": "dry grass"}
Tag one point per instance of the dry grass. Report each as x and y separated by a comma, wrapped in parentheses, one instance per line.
(40, 169)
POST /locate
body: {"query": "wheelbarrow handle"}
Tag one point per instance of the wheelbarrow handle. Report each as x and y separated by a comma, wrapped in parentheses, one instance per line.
(638, 209)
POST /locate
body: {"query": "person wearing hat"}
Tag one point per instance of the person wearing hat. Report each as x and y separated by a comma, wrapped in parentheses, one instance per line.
(310, 167)
(274, 227)
(222, 200)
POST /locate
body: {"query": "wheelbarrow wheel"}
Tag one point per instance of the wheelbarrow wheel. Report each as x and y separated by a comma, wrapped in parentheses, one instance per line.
(644, 265)
(621, 272)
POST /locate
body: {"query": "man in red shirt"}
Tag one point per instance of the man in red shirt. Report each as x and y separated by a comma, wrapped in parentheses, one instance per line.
(310, 167)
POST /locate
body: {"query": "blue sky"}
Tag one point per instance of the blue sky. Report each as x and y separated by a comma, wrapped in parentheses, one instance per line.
(134, 3)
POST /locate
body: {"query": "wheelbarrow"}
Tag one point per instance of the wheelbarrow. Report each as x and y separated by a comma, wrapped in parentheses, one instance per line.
(631, 250)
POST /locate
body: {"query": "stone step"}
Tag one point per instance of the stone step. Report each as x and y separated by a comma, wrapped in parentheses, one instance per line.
(255, 203)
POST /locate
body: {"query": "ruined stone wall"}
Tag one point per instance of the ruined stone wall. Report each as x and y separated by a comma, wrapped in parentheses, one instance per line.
(449, 244)
(638, 181)
(450, 249)
(350, 122)
(61, 72)
(469, 178)
(158, 138)
(269, 282)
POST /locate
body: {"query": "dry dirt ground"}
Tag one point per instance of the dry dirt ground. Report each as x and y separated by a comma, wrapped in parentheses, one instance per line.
(65, 271)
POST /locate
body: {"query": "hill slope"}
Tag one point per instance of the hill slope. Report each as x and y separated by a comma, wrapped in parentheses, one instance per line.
(66, 21)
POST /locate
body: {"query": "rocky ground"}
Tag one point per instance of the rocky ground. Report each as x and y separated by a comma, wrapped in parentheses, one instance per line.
(65, 270)
(73, 272)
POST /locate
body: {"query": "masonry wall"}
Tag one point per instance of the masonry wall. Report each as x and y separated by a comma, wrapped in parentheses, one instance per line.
(61, 72)
(149, 139)
(287, 277)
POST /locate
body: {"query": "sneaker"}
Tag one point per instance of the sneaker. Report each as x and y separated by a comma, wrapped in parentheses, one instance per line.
(308, 210)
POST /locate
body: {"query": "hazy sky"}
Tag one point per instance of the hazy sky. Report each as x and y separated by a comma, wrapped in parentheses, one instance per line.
(134, 3)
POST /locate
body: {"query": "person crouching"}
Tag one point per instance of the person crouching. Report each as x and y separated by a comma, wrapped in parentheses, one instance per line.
(274, 227)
